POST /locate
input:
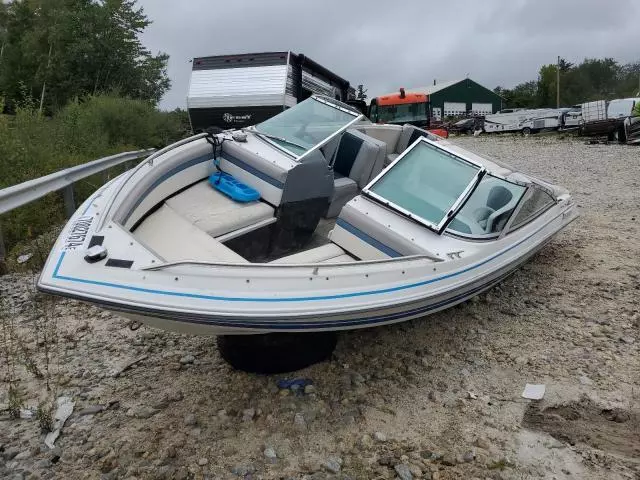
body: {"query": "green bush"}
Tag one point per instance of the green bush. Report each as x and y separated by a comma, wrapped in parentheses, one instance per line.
(32, 145)
(636, 111)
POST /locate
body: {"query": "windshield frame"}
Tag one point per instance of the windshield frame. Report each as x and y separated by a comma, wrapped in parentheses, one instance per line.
(440, 227)
(298, 158)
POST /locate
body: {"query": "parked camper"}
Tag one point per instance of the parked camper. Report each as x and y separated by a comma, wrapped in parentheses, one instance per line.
(234, 91)
(523, 120)
(608, 118)
(572, 118)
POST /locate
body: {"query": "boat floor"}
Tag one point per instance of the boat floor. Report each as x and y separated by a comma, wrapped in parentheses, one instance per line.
(319, 238)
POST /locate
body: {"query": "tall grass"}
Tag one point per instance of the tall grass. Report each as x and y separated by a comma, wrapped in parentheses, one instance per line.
(32, 146)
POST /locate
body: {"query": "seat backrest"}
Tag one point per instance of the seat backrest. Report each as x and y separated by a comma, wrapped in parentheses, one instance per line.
(389, 134)
(497, 220)
(498, 197)
(359, 157)
(409, 135)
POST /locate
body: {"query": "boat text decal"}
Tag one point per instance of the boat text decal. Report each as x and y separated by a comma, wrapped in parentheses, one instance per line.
(78, 233)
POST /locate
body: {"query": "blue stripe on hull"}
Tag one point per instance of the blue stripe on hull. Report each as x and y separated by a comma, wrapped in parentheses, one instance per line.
(369, 321)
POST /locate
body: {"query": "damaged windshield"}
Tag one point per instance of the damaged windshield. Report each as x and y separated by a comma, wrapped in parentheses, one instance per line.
(307, 125)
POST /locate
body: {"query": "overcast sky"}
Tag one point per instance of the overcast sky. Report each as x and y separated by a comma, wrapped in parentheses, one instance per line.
(385, 45)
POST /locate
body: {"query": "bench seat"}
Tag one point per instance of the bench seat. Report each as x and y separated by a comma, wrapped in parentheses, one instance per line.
(174, 238)
(215, 213)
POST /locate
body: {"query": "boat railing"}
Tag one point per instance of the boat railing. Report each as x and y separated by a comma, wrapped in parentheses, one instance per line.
(193, 263)
(31, 190)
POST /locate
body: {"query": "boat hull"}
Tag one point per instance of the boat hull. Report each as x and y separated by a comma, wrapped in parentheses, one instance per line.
(216, 324)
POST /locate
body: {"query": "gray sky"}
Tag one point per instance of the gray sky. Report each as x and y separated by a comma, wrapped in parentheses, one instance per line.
(385, 45)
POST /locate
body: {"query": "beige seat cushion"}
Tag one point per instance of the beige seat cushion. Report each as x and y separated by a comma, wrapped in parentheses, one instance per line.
(339, 259)
(389, 134)
(329, 253)
(175, 239)
(214, 212)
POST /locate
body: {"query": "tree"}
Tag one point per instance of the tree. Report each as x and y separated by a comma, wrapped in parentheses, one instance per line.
(547, 85)
(361, 92)
(592, 79)
(61, 49)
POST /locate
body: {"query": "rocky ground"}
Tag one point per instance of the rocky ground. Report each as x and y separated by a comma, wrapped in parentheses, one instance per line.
(433, 398)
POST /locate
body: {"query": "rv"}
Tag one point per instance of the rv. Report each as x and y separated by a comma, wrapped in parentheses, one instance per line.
(235, 91)
(572, 118)
(523, 120)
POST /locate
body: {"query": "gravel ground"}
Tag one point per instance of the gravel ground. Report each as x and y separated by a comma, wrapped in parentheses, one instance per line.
(433, 398)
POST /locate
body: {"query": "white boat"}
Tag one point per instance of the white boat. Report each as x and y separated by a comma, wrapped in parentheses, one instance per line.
(436, 226)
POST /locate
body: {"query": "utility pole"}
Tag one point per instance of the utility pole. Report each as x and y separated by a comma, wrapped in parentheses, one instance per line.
(558, 83)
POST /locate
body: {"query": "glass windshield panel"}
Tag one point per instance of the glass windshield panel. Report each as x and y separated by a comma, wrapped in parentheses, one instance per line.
(426, 182)
(488, 209)
(302, 127)
(408, 112)
(536, 202)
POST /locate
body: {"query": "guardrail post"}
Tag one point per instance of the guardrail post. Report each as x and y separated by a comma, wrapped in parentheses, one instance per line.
(69, 201)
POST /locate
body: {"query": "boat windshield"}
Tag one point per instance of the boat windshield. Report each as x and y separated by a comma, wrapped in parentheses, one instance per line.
(306, 125)
(427, 184)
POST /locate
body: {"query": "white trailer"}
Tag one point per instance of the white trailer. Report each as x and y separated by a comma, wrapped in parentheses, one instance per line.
(234, 91)
(523, 120)
(572, 118)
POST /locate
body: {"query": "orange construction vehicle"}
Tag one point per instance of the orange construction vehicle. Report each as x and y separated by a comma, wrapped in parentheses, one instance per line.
(403, 107)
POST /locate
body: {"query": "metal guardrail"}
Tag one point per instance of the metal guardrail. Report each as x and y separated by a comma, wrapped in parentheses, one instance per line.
(31, 190)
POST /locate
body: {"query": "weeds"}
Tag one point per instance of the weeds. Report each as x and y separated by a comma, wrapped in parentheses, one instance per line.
(9, 354)
(29, 347)
(44, 415)
(32, 145)
(16, 401)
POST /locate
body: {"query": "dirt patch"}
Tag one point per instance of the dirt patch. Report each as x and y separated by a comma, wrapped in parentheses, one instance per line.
(613, 430)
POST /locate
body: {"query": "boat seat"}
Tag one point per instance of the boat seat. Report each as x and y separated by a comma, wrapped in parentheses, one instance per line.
(408, 135)
(174, 238)
(346, 258)
(365, 230)
(387, 133)
(329, 253)
(358, 159)
(215, 213)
